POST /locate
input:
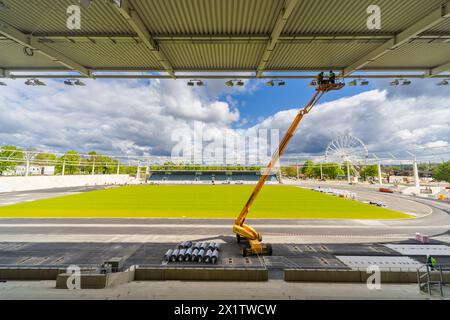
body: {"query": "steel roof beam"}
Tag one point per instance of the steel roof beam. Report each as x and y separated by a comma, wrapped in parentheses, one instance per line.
(34, 43)
(208, 76)
(286, 11)
(439, 69)
(424, 24)
(130, 14)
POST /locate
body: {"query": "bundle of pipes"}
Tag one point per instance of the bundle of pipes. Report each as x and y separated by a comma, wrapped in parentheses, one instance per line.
(197, 252)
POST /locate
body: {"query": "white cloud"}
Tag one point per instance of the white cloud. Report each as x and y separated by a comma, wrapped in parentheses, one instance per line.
(382, 120)
(136, 117)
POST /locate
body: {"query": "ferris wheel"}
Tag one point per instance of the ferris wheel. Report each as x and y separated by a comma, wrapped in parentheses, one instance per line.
(346, 148)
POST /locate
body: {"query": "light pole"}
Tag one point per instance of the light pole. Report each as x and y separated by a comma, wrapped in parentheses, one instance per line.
(415, 170)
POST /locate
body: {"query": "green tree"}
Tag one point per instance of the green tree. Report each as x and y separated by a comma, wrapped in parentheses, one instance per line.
(442, 172)
(332, 170)
(369, 172)
(352, 169)
(308, 169)
(72, 163)
(289, 171)
(10, 157)
(45, 159)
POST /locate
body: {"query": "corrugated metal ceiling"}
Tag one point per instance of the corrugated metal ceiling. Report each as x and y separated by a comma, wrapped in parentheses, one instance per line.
(255, 18)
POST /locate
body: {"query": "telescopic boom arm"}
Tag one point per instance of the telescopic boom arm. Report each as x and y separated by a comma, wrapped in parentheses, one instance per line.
(245, 231)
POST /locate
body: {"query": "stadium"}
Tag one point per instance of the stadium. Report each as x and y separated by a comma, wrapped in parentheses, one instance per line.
(303, 205)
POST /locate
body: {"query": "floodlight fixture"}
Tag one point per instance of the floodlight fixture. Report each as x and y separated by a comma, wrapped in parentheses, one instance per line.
(240, 83)
(34, 82)
(271, 83)
(39, 82)
(2, 84)
(229, 83)
(190, 84)
(394, 83)
(79, 83)
(406, 82)
(444, 82)
(200, 83)
(364, 82)
(353, 83)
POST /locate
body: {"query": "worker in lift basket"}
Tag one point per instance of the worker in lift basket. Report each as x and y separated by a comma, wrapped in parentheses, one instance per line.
(320, 78)
(431, 262)
(332, 77)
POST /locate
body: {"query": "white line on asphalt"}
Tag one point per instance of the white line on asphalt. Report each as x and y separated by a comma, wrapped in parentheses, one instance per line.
(163, 238)
(207, 226)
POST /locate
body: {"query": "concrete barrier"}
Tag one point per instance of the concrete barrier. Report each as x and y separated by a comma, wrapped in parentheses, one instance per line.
(327, 275)
(98, 281)
(10, 184)
(117, 278)
(322, 275)
(202, 274)
(87, 281)
(29, 273)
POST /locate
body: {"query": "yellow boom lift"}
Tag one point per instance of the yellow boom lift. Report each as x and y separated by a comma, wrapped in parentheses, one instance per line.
(244, 231)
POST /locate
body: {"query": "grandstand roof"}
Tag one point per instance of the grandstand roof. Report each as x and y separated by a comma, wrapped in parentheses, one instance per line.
(258, 37)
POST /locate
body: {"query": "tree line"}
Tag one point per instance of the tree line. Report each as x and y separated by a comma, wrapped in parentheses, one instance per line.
(72, 162)
(332, 171)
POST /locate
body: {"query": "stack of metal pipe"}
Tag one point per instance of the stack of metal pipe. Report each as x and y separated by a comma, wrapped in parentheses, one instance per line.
(200, 252)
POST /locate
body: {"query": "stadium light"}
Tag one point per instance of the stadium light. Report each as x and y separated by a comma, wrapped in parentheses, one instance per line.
(192, 83)
(364, 82)
(394, 83)
(443, 83)
(79, 83)
(271, 83)
(352, 83)
(406, 82)
(34, 82)
(231, 83)
(74, 82)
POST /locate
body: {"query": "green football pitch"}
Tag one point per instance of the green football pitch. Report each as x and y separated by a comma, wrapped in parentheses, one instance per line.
(157, 201)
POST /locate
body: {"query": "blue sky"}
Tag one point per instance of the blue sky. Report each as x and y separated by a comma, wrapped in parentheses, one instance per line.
(140, 117)
(297, 92)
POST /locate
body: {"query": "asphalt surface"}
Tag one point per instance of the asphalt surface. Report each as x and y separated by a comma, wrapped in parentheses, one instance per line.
(304, 243)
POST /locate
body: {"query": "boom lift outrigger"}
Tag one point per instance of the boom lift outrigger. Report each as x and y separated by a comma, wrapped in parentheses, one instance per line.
(244, 231)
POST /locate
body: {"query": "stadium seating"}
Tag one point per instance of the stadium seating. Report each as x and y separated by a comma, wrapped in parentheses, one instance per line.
(185, 177)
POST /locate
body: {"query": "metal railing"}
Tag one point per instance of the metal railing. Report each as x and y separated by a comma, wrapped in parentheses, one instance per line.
(429, 276)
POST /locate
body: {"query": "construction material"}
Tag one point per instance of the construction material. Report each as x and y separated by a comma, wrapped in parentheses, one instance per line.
(198, 252)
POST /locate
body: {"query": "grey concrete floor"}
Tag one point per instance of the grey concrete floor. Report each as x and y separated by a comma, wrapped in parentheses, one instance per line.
(189, 290)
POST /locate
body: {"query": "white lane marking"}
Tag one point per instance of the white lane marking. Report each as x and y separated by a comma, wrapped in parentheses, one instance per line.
(161, 238)
(207, 226)
(420, 250)
(356, 262)
(370, 222)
